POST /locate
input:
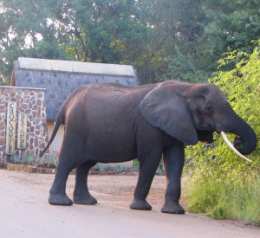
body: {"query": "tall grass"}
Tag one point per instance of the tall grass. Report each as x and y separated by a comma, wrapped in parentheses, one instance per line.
(225, 198)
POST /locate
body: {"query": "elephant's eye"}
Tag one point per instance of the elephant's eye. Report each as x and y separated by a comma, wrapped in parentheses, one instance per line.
(209, 109)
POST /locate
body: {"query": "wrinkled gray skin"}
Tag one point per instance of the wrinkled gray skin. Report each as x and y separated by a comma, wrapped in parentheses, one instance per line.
(112, 123)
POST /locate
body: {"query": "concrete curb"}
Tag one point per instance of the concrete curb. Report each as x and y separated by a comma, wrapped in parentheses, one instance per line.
(29, 168)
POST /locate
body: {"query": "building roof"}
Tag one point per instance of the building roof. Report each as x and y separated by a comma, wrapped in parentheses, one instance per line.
(60, 78)
(75, 66)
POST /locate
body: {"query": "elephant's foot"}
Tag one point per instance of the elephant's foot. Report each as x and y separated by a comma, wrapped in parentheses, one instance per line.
(86, 199)
(173, 208)
(140, 205)
(60, 199)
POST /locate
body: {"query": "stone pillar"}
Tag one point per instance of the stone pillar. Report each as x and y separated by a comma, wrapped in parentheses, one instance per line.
(31, 102)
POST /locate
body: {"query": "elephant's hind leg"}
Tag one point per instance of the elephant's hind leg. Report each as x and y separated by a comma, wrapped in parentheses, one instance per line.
(71, 149)
(81, 192)
(57, 194)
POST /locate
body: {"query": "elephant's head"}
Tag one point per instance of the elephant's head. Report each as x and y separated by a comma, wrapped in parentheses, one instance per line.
(192, 112)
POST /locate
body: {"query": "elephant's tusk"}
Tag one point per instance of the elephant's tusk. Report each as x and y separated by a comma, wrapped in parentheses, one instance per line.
(231, 146)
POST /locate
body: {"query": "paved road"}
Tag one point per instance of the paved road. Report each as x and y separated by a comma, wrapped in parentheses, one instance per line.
(24, 212)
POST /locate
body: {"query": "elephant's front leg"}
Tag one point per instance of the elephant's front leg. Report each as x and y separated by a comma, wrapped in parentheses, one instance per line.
(173, 161)
(148, 165)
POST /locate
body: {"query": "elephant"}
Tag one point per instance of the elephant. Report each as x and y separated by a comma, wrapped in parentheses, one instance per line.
(153, 122)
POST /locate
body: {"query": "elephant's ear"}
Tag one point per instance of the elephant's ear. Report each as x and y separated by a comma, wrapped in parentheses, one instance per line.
(168, 111)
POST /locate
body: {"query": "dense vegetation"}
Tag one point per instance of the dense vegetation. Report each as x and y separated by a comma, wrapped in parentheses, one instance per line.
(181, 39)
(223, 185)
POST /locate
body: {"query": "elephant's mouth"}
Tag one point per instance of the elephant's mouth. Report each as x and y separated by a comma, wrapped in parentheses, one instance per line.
(205, 136)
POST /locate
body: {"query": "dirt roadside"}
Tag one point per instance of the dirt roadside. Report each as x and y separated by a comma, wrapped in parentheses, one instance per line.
(24, 212)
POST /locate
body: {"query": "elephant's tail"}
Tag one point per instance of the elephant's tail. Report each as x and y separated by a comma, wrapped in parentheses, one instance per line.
(58, 122)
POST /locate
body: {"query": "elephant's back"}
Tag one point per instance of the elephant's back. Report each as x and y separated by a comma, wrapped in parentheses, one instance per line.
(113, 99)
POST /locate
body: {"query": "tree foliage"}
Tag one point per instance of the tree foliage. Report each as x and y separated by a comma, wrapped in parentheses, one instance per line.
(181, 39)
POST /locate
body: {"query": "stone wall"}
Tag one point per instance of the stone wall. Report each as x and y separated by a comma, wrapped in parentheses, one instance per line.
(59, 85)
(31, 102)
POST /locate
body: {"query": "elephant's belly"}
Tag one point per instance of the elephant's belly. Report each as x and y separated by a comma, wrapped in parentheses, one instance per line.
(110, 132)
(107, 151)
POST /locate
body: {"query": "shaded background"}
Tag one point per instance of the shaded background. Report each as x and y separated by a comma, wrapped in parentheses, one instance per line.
(163, 39)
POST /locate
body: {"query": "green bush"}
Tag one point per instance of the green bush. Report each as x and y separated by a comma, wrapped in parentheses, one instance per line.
(222, 185)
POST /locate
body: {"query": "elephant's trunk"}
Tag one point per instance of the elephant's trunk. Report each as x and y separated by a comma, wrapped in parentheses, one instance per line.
(231, 146)
(245, 142)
